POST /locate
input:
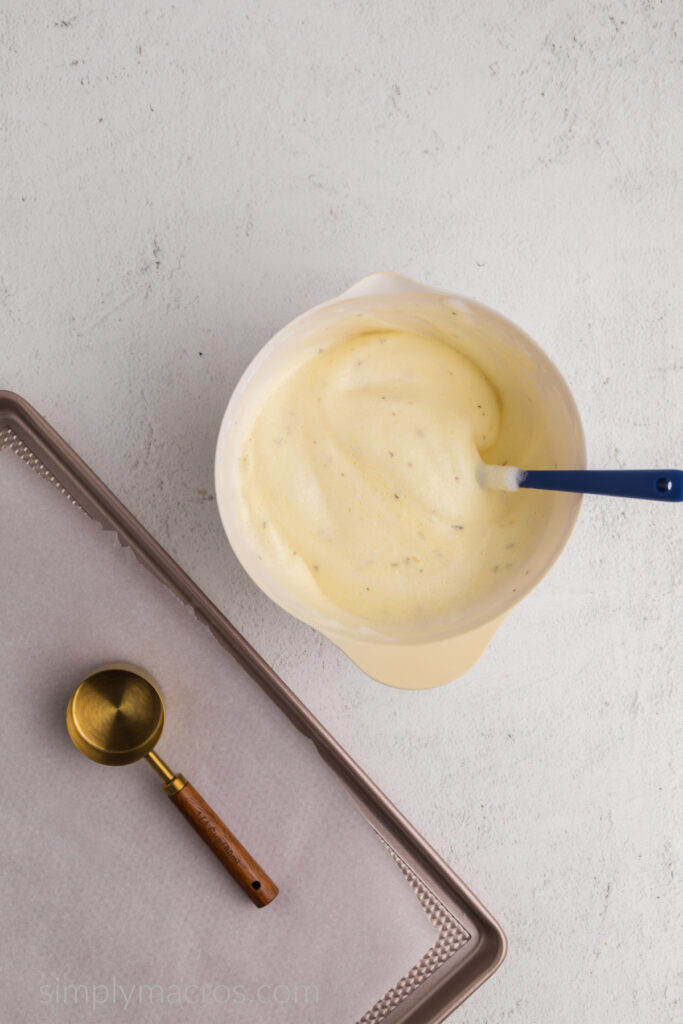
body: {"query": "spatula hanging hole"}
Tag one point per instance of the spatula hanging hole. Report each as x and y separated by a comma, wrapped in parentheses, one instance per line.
(663, 484)
(256, 885)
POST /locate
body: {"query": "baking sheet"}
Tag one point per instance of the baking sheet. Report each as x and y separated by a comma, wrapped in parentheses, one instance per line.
(105, 886)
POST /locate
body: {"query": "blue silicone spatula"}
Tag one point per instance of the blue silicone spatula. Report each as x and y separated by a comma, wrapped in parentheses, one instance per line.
(651, 484)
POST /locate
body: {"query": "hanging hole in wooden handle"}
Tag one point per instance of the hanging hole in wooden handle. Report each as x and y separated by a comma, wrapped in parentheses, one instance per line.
(246, 871)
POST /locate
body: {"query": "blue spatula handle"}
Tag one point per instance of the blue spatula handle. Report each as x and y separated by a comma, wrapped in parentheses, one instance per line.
(655, 484)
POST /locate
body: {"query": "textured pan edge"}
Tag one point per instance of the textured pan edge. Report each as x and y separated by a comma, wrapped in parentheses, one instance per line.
(8, 439)
(452, 937)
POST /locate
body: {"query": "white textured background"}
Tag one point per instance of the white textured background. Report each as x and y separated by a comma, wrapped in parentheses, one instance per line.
(179, 180)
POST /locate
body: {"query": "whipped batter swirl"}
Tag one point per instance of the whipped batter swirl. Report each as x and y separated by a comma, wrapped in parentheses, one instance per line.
(358, 482)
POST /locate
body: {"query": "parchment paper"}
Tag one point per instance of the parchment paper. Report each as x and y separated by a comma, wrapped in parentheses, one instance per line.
(104, 886)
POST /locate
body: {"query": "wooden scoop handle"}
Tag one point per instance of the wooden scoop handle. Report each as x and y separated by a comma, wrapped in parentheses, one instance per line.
(260, 889)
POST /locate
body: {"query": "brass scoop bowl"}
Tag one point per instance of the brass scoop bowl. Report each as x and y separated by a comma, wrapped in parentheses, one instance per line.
(115, 716)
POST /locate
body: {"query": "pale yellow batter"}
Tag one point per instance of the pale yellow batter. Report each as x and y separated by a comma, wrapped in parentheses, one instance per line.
(358, 481)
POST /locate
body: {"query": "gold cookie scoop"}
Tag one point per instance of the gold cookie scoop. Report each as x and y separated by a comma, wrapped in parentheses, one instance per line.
(115, 716)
